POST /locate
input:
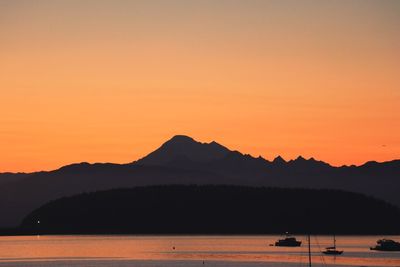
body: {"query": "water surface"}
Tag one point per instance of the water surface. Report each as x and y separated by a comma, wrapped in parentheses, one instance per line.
(187, 251)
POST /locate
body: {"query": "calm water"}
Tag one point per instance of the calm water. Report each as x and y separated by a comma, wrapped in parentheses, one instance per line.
(189, 251)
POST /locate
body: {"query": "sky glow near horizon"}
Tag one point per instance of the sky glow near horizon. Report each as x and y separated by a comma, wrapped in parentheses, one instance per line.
(109, 81)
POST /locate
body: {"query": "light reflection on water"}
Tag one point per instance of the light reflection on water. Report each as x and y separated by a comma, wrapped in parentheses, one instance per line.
(188, 250)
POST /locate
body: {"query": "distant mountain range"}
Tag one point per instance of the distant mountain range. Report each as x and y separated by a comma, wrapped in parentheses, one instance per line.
(182, 160)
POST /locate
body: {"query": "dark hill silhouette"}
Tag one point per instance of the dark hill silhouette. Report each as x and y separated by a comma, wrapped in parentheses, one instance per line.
(182, 160)
(214, 210)
(9, 177)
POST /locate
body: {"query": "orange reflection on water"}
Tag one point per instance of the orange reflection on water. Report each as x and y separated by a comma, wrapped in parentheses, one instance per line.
(192, 248)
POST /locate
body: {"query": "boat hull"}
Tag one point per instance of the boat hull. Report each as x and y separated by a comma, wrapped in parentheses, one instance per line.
(333, 252)
(288, 244)
(385, 249)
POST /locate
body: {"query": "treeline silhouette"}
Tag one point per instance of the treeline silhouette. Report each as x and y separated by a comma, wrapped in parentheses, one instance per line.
(179, 209)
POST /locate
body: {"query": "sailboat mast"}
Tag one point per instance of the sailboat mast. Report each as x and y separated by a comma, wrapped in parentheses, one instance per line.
(334, 241)
(309, 250)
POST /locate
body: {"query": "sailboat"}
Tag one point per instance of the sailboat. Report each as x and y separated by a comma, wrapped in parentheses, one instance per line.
(332, 250)
(329, 250)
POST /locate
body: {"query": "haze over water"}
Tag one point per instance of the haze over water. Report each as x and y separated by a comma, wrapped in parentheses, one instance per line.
(189, 251)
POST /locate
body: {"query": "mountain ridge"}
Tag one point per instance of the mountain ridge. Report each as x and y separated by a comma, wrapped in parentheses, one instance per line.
(277, 159)
(182, 160)
(182, 145)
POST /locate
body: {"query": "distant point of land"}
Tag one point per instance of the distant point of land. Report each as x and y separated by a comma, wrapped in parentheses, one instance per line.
(221, 209)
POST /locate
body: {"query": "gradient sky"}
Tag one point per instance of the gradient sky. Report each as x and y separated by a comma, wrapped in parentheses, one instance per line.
(109, 81)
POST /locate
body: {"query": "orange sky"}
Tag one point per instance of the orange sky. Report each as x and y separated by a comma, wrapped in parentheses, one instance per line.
(109, 81)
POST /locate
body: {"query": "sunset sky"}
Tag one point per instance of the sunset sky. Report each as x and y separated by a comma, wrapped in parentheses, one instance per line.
(109, 81)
